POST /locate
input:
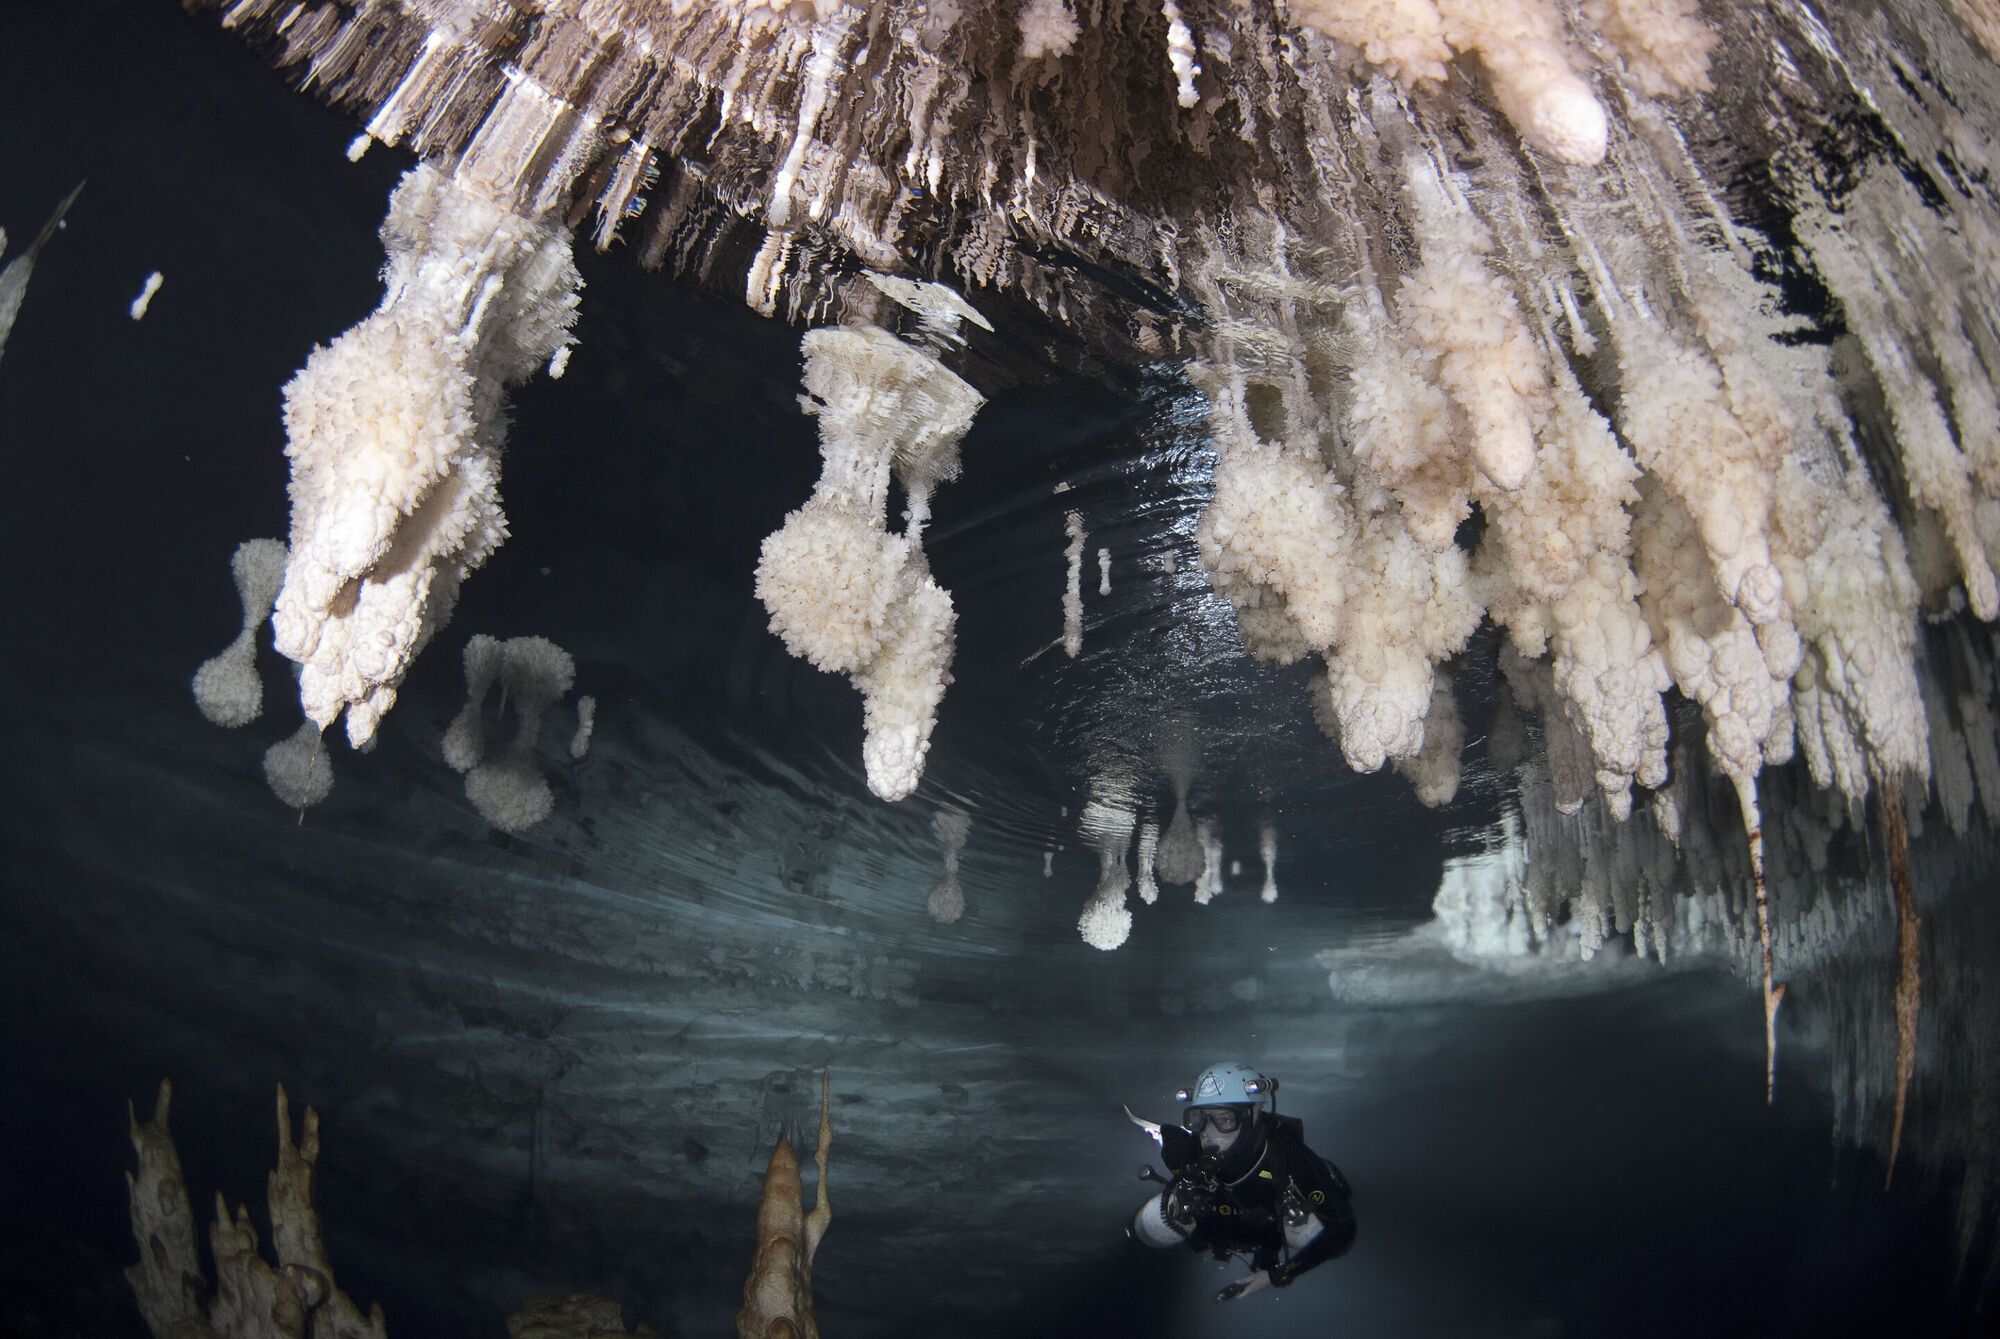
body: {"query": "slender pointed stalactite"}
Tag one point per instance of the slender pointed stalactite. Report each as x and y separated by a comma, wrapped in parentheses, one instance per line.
(1909, 979)
(1774, 994)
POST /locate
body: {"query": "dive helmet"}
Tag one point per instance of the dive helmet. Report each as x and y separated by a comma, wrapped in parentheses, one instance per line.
(1228, 1083)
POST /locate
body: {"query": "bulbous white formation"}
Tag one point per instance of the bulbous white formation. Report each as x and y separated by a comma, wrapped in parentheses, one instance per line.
(226, 686)
(1106, 822)
(395, 432)
(297, 769)
(1276, 535)
(1521, 45)
(1712, 650)
(1408, 610)
(1462, 326)
(1855, 701)
(845, 592)
(1664, 44)
(510, 791)
(1433, 771)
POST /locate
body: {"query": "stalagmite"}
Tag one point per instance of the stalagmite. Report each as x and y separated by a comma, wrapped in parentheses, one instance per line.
(298, 1298)
(844, 591)
(777, 1296)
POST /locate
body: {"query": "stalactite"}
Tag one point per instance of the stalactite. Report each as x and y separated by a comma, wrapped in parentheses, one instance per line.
(1774, 994)
(396, 431)
(1072, 604)
(843, 590)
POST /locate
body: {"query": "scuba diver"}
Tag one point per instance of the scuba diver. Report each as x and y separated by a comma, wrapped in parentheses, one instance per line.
(1244, 1183)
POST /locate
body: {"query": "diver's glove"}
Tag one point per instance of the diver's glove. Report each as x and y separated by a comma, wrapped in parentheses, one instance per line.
(1249, 1283)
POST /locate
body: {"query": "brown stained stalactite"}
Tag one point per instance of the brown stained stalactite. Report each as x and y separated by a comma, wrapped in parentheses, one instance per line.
(1774, 995)
(1909, 979)
(167, 1282)
(777, 1297)
(250, 1299)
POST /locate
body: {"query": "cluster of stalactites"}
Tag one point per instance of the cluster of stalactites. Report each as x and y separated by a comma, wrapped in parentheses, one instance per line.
(1701, 521)
(1188, 851)
(844, 590)
(841, 131)
(1676, 881)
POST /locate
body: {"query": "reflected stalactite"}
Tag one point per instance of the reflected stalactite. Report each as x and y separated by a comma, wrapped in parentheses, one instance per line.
(1909, 977)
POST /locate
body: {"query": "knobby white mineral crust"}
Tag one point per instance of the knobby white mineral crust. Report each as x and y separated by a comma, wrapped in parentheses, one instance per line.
(1072, 637)
(844, 591)
(1106, 822)
(395, 433)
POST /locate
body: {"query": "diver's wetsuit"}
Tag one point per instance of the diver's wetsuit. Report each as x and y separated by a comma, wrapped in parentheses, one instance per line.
(1240, 1201)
